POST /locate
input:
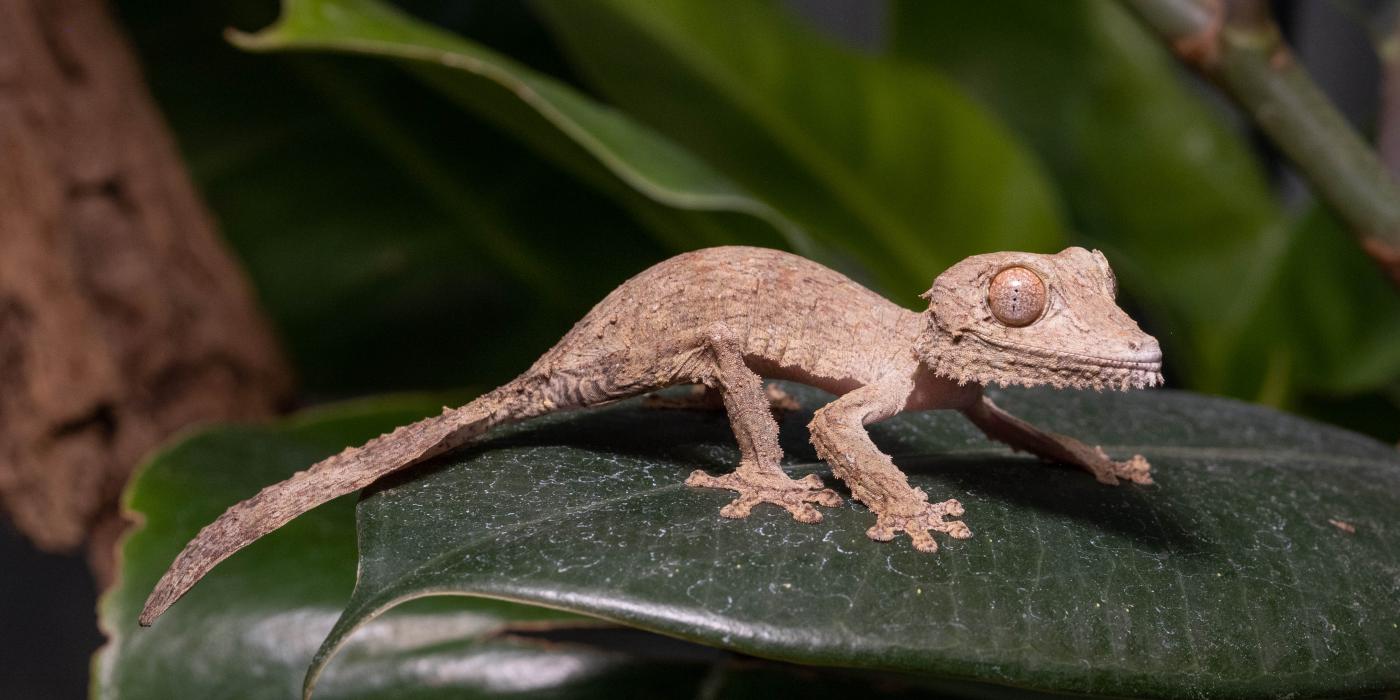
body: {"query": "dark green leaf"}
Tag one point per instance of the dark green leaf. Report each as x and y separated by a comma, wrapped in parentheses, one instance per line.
(1228, 578)
(251, 628)
(251, 631)
(585, 137)
(888, 163)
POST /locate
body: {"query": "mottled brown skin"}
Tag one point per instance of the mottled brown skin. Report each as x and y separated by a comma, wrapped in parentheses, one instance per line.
(723, 317)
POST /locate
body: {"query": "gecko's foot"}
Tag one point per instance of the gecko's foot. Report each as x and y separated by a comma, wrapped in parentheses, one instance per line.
(1107, 471)
(702, 398)
(755, 487)
(931, 516)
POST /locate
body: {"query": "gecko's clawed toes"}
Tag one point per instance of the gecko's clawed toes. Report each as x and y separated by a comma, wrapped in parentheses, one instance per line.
(952, 507)
(739, 508)
(923, 541)
(919, 526)
(880, 532)
(1136, 470)
(765, 486)
(1107, 471)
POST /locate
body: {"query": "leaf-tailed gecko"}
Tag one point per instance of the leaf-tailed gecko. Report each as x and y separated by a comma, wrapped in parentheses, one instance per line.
(724, 317)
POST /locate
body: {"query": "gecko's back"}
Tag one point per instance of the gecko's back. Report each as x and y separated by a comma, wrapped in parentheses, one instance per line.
(795, 318)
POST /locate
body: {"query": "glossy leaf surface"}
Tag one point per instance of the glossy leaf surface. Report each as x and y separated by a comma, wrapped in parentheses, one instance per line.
(250, 631)
(252, 628)
(1263, 562)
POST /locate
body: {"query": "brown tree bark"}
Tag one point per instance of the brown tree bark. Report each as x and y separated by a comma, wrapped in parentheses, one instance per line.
(122, 317)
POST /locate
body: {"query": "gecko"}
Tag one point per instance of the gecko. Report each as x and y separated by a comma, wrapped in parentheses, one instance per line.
(723, 319)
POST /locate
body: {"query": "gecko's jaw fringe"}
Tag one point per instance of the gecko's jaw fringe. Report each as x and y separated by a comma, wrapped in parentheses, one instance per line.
(1012, 371)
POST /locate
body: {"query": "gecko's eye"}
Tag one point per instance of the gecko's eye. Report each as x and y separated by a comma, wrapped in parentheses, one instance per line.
(1017, 297)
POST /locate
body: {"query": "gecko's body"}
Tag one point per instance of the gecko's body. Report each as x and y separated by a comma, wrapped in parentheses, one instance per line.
(791, 318)
(722, 317)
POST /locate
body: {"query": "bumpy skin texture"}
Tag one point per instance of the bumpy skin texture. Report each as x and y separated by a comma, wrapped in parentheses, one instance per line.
(723, 317)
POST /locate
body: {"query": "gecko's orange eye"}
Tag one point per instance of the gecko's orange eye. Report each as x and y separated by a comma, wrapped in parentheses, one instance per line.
(1017, 297)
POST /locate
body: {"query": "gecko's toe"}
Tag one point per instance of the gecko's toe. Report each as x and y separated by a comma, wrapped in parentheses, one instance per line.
(740, 507)
(805, 513)
(1136, 470)
(699, 478)
(880, 532)
(952, 507)
(923, 541)
(1109, 472)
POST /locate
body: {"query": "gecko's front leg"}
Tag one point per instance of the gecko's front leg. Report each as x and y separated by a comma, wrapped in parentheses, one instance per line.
(838, 433)
(1004, 427)
(760, 477)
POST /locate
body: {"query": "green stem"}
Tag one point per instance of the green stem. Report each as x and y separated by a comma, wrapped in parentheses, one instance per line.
(1237, 44)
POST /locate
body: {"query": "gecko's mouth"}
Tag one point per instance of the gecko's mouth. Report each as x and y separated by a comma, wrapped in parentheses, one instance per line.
(1026, 365)
(1149, 361)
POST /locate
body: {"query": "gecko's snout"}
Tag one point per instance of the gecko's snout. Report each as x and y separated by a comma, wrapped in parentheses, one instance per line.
(1135, 363)
(1149, 351)
(1143, 350)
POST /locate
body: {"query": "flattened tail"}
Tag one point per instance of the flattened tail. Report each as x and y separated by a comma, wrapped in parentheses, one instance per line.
(352, 469)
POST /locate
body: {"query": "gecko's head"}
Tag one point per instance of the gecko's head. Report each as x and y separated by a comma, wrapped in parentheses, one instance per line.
(1022, 318)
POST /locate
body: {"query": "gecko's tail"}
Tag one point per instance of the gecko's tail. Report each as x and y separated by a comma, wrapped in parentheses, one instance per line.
(351, 470)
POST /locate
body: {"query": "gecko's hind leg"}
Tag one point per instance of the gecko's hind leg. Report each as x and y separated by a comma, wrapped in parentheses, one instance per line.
(1004, 427)
(704, 398)
(759, 477)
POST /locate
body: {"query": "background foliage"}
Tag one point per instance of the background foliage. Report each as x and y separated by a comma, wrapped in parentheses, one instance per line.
(427, 198)
(450, 231)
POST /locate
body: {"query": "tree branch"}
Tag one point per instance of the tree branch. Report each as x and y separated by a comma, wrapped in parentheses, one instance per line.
(123, 318)
(1236, 44)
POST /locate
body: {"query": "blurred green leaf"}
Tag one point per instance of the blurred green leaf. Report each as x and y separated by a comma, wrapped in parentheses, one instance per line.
(1227, 578)
(585, 137)
(1150, 172)
(361, 203)
(1332, 334)
(1249, 302)
(887, 163)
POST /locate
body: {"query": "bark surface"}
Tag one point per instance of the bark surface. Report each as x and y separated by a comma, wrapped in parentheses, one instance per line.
(122, 317)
